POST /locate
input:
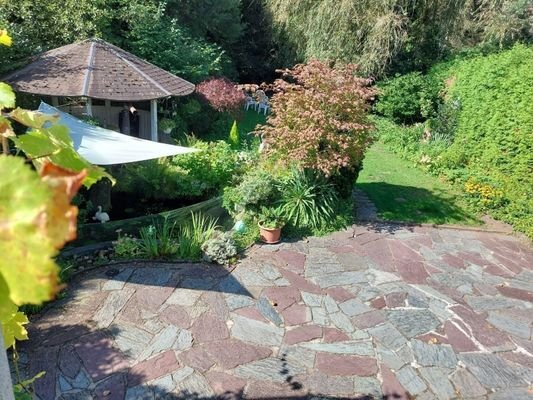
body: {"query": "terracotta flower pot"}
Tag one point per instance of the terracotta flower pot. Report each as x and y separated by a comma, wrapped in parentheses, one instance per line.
(270, 235)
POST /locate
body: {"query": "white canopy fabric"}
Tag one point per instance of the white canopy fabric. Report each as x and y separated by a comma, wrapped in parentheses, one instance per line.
(106, 147)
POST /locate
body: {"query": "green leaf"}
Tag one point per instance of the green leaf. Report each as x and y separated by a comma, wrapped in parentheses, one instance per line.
(13, 328)
(32, 119)
(54, 144)
(26, 264)
(7, 96)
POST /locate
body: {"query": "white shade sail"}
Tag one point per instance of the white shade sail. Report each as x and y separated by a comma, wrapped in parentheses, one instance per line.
(106, 147)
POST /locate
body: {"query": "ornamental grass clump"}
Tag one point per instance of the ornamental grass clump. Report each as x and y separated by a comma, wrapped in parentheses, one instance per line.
(320, 117)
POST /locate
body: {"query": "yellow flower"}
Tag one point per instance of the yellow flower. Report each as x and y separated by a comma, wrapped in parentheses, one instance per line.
(5, 39)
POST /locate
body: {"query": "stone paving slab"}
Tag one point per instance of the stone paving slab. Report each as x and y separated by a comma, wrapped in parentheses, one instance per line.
(378, 312)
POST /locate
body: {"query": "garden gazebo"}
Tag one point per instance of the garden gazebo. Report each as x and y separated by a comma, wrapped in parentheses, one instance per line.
(94, 69)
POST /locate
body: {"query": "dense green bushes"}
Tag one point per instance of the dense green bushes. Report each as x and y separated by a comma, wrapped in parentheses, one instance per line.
(481, 133)
(407, 98)
(195, 176)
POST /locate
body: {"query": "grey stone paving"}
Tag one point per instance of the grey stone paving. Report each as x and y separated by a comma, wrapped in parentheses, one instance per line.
(417, 313)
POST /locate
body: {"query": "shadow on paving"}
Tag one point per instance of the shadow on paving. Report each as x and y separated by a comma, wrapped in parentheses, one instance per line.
(200, 276)
(239, 395)
(85, 363)
(414, 205)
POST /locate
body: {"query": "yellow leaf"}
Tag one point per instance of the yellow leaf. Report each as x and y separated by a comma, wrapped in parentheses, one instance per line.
(60, 216)
(5, 39)
(13, 328)
(5, 128)
(36, 218)
(33, 119)
(7, 96)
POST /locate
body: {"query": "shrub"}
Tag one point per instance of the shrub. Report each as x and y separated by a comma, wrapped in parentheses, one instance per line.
(494, 129)
(196, 175)
(207, 171)
(405, 98)
(257, 189)
(221, 94)
(126, 246)
(221, 248)
(481, 134)
(193, 234)
(319, 117)
(308, 200)
(167, 124)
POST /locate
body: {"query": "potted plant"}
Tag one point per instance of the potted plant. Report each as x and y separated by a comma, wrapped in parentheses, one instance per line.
(166, 125)
(270, 223)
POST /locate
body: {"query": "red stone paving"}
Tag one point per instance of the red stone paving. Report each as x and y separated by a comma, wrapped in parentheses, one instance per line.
(224, 383)
(240, 355)
(176, 315)
(483, 331)
(392, 388)
(457, 339)
(333, 364)
(197, 358)
(515, 293)
(300, 282)
(378, 303)
(369, 319)
(153, 368)
(282, 297)
(332, 335)
(412, 271)
(293, 259)
(99, 356)
(340, 294)
(230, 353)
(297, 314)
(208, 327)
(303, 334)
(251, 312)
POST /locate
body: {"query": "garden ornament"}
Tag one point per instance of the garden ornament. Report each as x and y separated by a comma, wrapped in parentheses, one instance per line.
(101, 216)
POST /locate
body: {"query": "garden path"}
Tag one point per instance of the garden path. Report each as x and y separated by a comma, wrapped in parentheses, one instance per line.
(382, 312)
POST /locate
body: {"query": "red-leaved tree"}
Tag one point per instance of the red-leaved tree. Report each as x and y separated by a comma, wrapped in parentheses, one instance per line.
(221, 94)
(320, 117)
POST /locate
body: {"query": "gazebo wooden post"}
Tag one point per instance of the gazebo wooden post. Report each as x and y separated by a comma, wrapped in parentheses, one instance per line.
(89, 107)
(108, 117)
(153, 120)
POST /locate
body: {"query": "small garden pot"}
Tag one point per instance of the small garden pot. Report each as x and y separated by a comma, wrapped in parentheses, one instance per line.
(167, 131)
(270, 235)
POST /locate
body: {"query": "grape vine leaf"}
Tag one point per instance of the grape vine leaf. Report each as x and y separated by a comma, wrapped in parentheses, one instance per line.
(54, 144)
(13, 328)
(33, 119)
(7, 96)
(36, 218)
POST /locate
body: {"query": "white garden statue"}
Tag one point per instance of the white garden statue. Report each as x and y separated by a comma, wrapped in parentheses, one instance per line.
(101, 216)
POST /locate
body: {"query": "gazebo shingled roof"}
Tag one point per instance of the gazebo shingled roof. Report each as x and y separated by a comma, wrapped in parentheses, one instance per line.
(96, 69)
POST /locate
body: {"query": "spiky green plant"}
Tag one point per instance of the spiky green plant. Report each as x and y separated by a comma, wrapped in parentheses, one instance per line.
(194, 233)
(307, 200)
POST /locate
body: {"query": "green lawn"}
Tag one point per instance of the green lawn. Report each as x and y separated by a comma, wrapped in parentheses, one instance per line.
(246, 124)
(402, 192)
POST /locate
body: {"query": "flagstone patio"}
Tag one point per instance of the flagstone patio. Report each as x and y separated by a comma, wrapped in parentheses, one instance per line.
(395, 313)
